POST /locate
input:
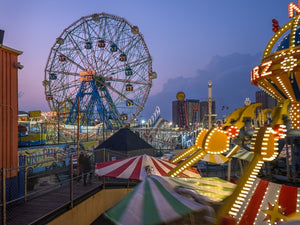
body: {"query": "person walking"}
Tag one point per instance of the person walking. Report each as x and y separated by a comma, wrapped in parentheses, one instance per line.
(86, 168)
(80, 166)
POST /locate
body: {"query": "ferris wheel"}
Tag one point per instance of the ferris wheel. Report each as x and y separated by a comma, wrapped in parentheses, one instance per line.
(99, 70)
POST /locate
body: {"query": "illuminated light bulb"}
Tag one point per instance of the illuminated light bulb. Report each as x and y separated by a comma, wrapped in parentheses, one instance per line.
(243, 195)
(232, 213)
(234, 209)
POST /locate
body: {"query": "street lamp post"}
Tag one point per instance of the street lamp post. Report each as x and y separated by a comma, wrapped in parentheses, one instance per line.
(57, 117)
(103, 130)
(58, 124)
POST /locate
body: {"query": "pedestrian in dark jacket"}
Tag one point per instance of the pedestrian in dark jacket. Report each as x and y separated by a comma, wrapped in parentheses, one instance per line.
(86, 168)
(80, 164)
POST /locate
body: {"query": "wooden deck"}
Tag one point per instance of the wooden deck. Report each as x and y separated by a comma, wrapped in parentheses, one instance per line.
(51, 202)
(45, 206)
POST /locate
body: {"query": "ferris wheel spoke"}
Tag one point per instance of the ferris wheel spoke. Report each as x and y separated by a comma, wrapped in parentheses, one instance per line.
(106, 96)
(140, 70)
(110, 40)
(123, 96)
(76, 47)
(132, 45)
(89, 27)
(127, 81)
(71, 94)
(62, 87)
(98, 39)
(87, 32)
(118, 36)
(62, 72)
(111, 88)
(69, 59)
(113, 109)
(119, 50)
(123, 67)
(133, 63)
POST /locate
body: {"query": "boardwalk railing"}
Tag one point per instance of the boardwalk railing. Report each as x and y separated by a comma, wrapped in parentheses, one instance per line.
(27, 196)
(31, 195)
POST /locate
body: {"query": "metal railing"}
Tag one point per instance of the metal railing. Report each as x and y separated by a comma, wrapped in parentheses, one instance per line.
(28, 196)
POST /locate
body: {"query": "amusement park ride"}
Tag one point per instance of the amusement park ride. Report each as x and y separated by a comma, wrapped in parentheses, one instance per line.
(99, 71)
(255, 200)
(97, 80)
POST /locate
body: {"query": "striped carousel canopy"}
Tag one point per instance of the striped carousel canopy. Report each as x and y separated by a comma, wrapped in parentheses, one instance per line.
(215, 158)
(214, 188)
(139, 167)
(243, 154)
(155, 201)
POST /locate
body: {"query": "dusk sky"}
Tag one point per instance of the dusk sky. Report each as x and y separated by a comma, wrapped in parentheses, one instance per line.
(190, 42)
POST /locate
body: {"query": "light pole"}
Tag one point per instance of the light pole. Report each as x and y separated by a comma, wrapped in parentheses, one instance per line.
(103, 134)
(57, 117)
(78, 124)
(209, 104)
(58, 124)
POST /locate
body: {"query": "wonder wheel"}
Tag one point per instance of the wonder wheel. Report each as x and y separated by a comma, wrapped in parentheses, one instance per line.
(99, 70)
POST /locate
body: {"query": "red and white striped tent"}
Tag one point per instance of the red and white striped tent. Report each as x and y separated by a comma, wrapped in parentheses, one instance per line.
(268, 203)
(139, 167)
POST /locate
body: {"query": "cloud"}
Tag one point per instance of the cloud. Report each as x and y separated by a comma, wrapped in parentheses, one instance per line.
(230, 76)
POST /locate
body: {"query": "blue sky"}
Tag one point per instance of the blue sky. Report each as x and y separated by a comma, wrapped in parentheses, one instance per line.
(188, 40)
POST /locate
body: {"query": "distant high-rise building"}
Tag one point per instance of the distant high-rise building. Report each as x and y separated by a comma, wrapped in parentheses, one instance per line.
(179, 116)
(193, 114)
(265, 99)
(186, 113)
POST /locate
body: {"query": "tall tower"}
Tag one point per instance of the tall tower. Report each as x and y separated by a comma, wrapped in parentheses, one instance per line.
(209, 104)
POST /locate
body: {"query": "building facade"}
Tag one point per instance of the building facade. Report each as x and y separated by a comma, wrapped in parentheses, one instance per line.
(267, 102)
(191, 113)
(9, 107)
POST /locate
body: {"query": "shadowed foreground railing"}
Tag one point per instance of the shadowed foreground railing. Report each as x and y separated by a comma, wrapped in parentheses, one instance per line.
(41, 197)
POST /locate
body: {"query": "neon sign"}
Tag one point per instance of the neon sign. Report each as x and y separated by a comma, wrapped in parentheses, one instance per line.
(293, 7)
(257, 72)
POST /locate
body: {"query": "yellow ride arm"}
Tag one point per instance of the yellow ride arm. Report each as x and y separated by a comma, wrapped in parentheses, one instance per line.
(233, 117)
(279, 111)
(249, 112)
(184, 154)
